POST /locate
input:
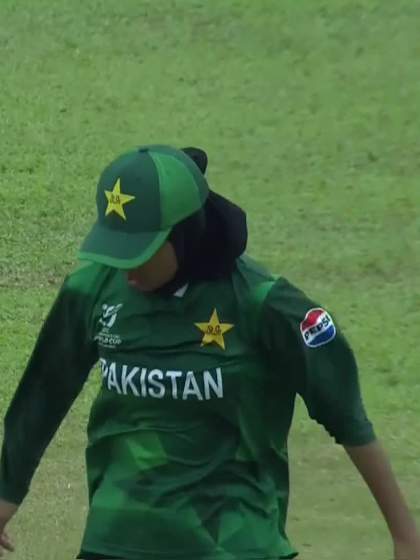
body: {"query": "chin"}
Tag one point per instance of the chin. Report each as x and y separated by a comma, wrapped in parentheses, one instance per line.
(143, 288)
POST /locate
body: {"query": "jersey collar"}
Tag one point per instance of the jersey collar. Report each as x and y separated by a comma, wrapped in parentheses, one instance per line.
(181, 291)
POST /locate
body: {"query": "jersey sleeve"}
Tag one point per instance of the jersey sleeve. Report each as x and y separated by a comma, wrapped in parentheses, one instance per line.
(60, 363)
(309, 352)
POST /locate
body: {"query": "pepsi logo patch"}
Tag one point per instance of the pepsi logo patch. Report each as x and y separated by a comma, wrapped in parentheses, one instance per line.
(317, 328)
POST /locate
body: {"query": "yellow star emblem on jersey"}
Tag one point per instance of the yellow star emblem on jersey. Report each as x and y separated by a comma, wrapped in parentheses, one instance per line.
(116, 200)
(214, 330)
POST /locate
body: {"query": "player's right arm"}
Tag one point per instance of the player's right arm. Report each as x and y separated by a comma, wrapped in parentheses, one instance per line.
(55, 374)
(7, 511)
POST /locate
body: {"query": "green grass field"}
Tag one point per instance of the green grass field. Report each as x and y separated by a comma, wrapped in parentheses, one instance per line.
(310, 113)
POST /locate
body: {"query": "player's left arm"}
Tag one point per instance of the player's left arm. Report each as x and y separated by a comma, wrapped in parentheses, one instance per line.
(374, 466)
(323, 370)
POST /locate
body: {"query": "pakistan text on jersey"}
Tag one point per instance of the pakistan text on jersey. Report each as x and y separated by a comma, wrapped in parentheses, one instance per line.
(142, 382)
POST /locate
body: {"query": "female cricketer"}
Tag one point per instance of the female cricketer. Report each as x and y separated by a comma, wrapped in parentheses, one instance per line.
(202, 353)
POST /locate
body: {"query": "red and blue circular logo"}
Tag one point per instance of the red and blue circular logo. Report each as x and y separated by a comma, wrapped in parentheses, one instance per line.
(317, 328)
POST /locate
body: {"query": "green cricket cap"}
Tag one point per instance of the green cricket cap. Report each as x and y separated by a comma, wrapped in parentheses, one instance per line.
(140, 196)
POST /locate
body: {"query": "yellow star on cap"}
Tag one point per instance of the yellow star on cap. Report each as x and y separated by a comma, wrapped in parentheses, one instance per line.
(214, 330)
(116, 200)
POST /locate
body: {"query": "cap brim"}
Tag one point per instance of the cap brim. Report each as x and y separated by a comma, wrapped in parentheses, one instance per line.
(121, 249)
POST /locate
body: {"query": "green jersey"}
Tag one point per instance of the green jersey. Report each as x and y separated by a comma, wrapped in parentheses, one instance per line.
(187, 438)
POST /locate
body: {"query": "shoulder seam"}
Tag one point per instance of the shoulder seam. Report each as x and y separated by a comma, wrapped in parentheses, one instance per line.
(258, 299)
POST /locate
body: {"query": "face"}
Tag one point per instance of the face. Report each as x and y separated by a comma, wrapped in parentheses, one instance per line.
(156, 272)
